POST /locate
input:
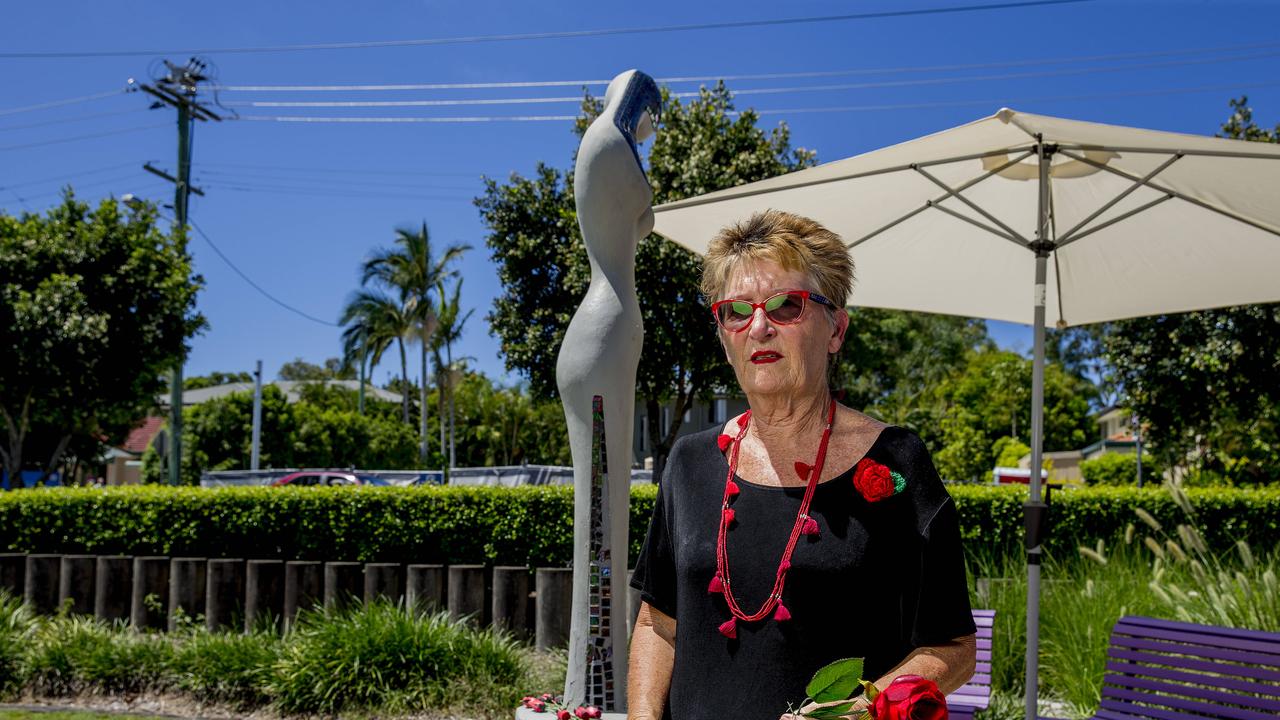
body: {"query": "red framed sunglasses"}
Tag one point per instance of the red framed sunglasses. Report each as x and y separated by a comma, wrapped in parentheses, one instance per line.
(785, 308)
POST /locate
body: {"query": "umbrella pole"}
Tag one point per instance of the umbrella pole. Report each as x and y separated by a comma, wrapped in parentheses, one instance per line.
(1035, 508)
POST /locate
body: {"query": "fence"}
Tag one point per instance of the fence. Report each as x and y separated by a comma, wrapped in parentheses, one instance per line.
(241, 595)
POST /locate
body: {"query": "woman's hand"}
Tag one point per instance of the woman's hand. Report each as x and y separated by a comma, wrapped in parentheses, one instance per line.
(859, 707)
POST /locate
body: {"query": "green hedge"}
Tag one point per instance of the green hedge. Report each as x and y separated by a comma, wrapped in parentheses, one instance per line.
(522, 526)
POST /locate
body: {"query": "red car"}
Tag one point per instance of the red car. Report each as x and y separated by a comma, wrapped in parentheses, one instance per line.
(312, 478)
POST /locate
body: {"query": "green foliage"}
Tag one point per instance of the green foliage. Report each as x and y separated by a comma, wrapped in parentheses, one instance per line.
(542, 265)
(17, 624)
(1009, 451)
(97, 304)
(505, 426)
(376, 658)
(382, 657)
(299, 369)
(990, 398)
(74, 654)
(225, 668)
(325, 432)
(529, 526)
(1206, 386)
(892, 358)
(1119, 469)
(214, 379)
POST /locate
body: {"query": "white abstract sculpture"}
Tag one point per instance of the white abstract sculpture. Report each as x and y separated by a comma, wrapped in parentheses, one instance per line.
(596, 374)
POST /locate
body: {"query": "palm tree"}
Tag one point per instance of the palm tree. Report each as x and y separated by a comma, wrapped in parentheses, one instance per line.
(448, 331)
(412, 270)
(373, 321)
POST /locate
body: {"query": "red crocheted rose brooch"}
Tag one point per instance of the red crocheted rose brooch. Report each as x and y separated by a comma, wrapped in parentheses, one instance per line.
(876, 481)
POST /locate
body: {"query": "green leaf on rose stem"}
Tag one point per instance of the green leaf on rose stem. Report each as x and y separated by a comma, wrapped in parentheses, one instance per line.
(869, 689)
(835, 681)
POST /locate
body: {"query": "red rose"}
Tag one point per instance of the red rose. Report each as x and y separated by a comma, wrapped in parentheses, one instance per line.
(909, 697)
(538, 706)
(563, 715)
(587, 712)
(873, 480)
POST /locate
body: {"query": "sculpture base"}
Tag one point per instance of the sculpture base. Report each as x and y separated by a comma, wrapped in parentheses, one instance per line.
(525, 713)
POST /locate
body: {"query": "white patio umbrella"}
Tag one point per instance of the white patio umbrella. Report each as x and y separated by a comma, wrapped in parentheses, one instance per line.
(1098, 222)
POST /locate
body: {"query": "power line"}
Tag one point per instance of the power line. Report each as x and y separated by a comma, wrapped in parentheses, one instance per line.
(77, 138)
(410, 120)
(996, 101)
(348, 171)
(94, 171)
(757, 91)
(740, 77)
(216, 175)
(330, 192)
(63, 121)
(255, 285)
(60, 103)
(843, 108)
(469, 39)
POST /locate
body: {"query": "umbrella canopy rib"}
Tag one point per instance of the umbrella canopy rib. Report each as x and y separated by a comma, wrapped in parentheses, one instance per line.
(916, 166)
(1069, 235)
(1011, 233)
(1183, 196)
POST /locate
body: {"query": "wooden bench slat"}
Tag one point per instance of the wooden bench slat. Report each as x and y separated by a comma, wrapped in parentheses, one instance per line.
(984, 655)
(984, 644)
(984, 632)
(1168, 690)
(1202, 640)
(1195, 678)
(984, 613)
(983, 621)
(1251, 671)
(970, 691)
(982, 667)
(1239, 656)
(1141, 621)
(967, 701)
(981, 679)
(1156, 702)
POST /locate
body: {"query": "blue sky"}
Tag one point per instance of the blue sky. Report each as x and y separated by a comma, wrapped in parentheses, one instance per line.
(297, 206)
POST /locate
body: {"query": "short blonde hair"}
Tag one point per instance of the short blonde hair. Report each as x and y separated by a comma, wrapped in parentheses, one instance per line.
(791, 241)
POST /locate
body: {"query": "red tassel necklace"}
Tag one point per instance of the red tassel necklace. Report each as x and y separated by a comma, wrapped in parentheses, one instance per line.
(804, 525)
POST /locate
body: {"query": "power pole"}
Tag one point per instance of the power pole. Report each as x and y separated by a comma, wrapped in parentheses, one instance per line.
(257, 418)
(178, 89)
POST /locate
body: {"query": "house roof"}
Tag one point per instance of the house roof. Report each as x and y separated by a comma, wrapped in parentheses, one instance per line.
(290, 388)
(140, 437)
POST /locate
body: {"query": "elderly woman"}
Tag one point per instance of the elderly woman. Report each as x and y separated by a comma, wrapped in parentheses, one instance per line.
(802, 531)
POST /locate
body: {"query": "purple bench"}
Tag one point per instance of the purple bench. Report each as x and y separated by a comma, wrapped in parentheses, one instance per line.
(1183, 671)
(976, 694)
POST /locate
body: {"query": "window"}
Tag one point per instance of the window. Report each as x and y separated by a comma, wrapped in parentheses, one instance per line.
(644, 433)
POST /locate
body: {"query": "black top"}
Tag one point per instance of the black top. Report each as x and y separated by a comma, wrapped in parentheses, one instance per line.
(881, 579)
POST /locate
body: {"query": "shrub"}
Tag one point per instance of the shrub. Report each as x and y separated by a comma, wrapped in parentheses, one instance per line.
(530, 526)
(69, 655)
(17, 624)
(1119, 469)
(226, 668)
(383, 656)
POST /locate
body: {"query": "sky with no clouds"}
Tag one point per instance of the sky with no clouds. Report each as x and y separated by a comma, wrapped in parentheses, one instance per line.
(296, 205)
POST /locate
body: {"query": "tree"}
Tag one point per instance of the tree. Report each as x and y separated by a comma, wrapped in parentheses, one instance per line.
(990, 399)
(301, 370)
(542, 266)
(891, 359)
(373, 321)
(449, 326)
(95, 306)
(1207, 383)
(323, 429)
(214, 379)
(411, 269)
